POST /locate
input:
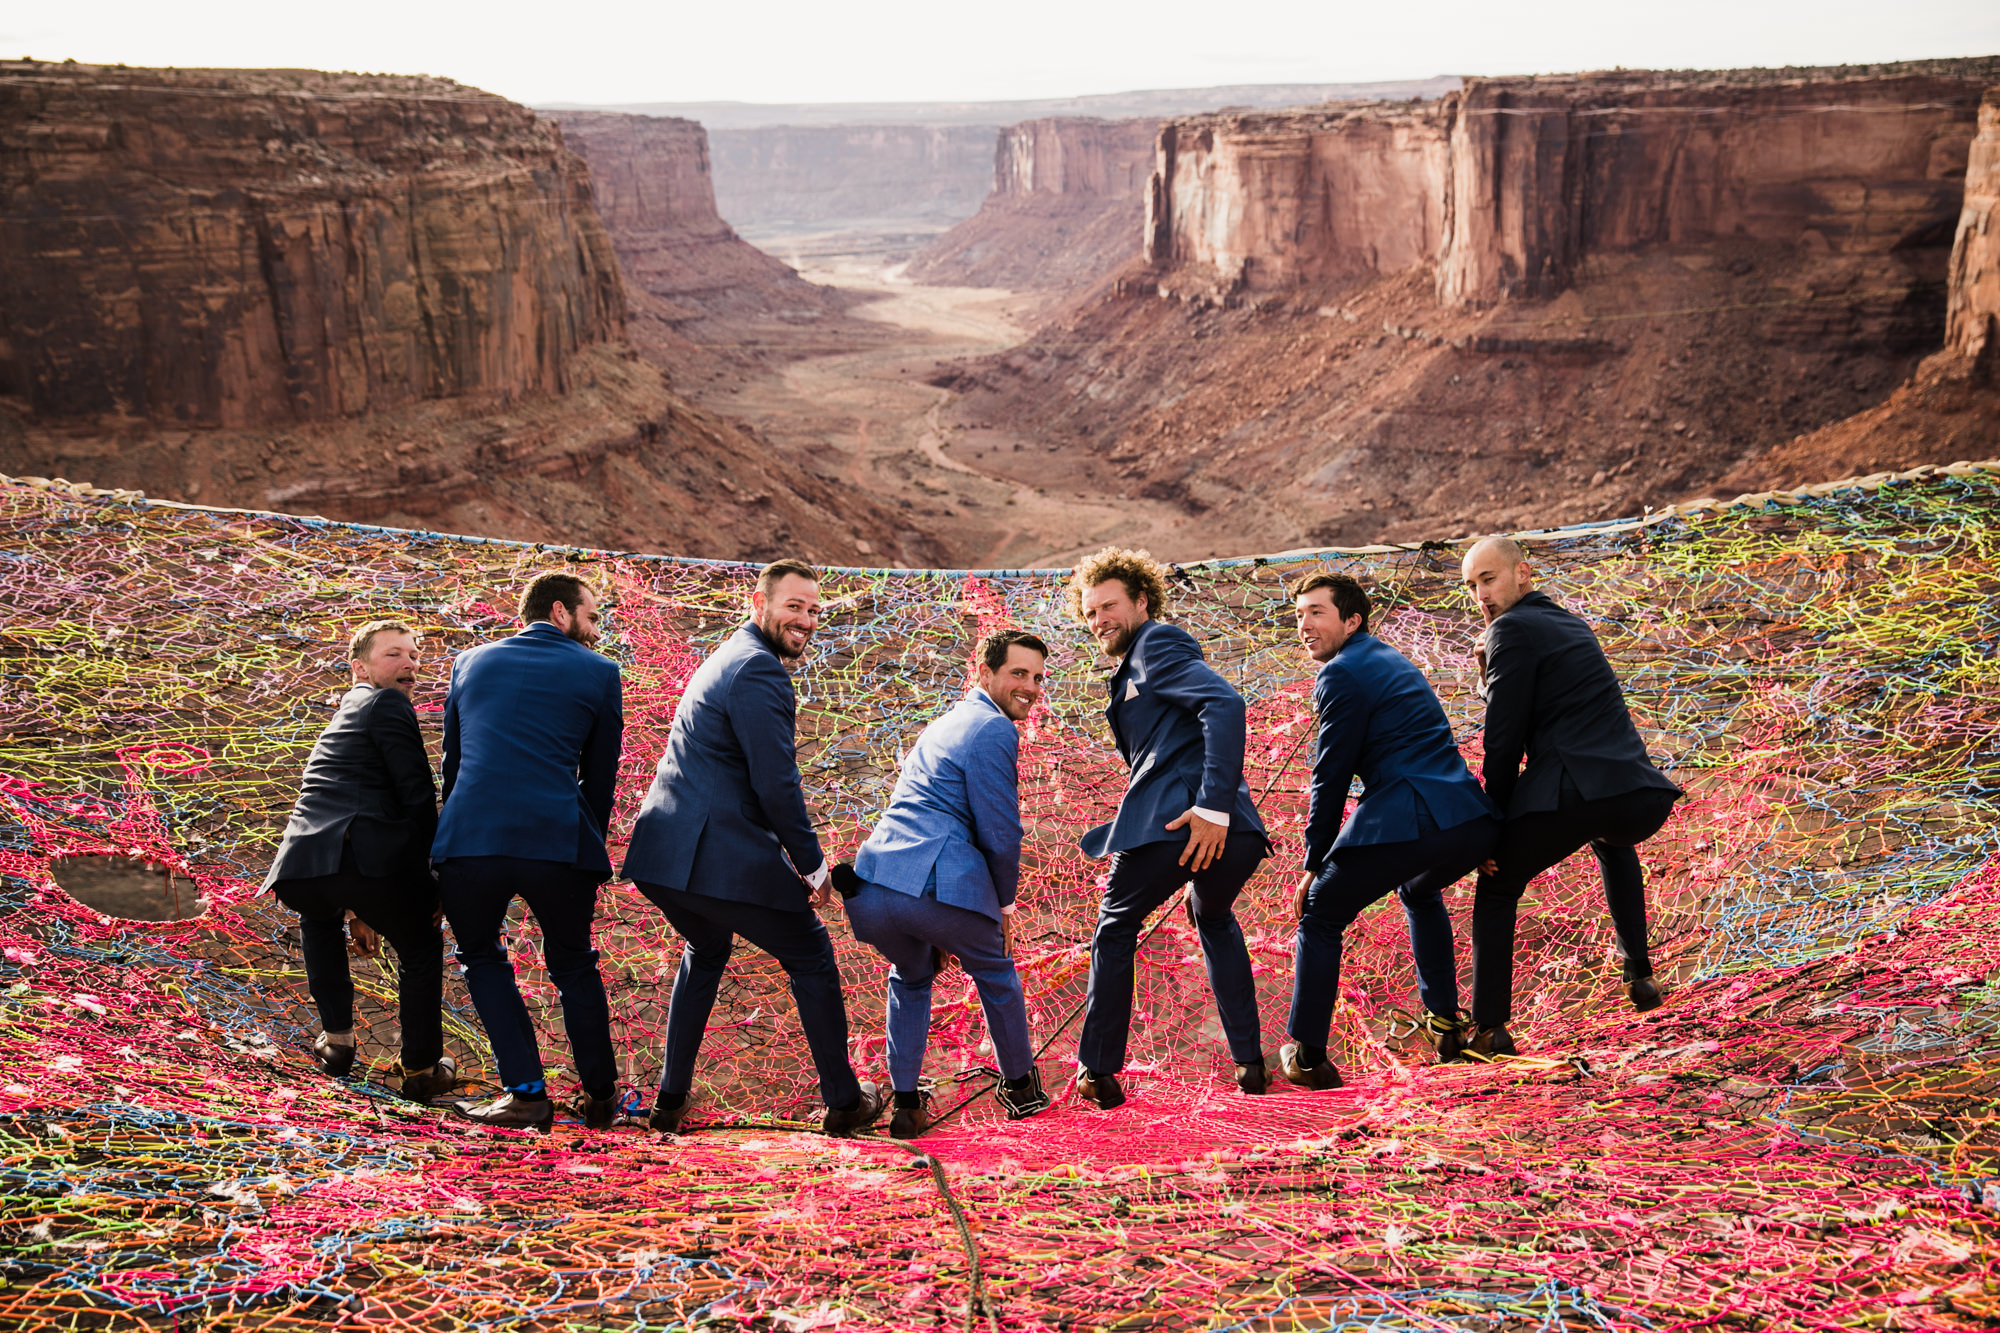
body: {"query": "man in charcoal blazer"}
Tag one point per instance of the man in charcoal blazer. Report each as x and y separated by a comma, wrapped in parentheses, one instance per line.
(1180, 727)
(724, 847)
(355, 846)
(533, 725)
(1421, 825)
(1553, 700)
(939, 875)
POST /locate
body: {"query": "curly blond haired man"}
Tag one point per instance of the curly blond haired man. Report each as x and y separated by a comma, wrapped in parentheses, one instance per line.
(1186, 816)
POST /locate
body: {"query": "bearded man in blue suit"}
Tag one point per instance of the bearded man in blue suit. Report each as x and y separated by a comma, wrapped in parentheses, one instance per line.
(1180, 727)
(724, 847)
(1422, 822)
(533, 726)
(940, 871)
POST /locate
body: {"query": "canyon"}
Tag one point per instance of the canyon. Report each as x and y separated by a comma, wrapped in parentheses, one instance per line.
(1532, 301)
(370, 297)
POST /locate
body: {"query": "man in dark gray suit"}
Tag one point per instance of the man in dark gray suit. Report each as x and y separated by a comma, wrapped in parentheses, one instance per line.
(1552, 698)
(533, 726)
(724, 847)
(1179, 726)
(355, 846)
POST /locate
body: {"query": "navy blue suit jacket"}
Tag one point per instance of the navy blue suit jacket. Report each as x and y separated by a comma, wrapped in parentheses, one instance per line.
(955, 818)
(532, 729)
(1180, 728)
(726, 809)
(1380, 720)
(1552, 697)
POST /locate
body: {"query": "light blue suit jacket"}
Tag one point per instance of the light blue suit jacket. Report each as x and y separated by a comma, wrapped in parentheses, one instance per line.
(955, 817)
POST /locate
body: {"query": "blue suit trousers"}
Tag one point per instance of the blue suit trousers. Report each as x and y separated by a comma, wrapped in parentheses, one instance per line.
(903, 928)
(1418, 872)
(797, 939)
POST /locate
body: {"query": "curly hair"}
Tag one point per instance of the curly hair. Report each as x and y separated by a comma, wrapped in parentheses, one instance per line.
(1142, 576)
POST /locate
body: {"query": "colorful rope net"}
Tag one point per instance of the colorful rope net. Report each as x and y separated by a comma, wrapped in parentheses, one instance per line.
(1805, 1136)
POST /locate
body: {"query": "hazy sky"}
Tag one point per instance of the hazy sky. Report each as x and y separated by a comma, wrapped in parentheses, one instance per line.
(902, 50)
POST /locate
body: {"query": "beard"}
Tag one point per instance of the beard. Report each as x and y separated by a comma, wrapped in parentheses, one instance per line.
(775, 632)
(1122, 640)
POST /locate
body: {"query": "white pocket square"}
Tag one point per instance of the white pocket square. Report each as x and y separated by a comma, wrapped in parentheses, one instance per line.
(1131, 689)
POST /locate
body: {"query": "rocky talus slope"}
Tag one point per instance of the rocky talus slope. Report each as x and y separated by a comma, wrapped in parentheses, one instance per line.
(1533, 301)
(373, 297)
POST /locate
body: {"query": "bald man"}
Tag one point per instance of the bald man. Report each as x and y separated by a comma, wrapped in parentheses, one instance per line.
(1552, 698)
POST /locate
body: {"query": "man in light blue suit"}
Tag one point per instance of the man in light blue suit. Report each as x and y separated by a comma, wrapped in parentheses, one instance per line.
(1180, 728)
(724, 847)
(940, 873)
(532, 729)
(1421, 824)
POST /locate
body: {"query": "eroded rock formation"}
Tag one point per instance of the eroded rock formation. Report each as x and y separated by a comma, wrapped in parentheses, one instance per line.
(789, 178)
(1068, 197)
(1973, 313)
(1541, 300)
(238, 249)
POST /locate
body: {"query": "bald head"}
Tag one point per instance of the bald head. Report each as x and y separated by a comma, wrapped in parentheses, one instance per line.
(1497, 575)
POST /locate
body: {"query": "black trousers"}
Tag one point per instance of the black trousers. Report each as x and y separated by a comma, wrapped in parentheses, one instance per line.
(797, 938)
(400, 911)
(477, 892)
(1531, 844)
(1141, 879)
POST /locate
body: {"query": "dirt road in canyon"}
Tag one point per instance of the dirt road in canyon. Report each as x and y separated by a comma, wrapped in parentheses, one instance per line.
(867, 415)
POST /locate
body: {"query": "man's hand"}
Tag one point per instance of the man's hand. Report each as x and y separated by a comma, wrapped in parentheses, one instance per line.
(820, 896)
(362, 941)
(1007, 935)
(1479, 653)
(1299, 898)
(1205, 840)
(1489, 867)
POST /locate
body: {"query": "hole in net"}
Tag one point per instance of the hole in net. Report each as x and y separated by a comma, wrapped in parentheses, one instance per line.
(127, 887)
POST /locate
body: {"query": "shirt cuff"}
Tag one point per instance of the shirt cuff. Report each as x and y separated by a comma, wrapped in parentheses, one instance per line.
(1214, 817)
(819, 877)
(1008, 910)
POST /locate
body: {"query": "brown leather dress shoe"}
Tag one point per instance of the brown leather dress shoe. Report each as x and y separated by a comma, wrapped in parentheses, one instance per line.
(1101, 1090)
(1318, 1077)
(667, 1119)
(910, 1121)
(841, 1124)
(1253, 1078)
(596, 1112)
(436, 1081)
(512, 1112)
(1446, 1036)
(335, 1058)
(1645, 994)
(1487, 1043)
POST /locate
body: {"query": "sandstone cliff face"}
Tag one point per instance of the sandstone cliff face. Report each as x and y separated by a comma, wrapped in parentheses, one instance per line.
(1972, 325)
(1546, 173)
(833, 177)
(1068, 198)
(655, 189)
(237, 249)
(1265, 202)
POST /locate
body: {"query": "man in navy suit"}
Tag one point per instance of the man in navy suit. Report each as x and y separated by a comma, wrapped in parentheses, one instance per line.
(1553, 700)
(532, 730)
(939, 873)
(1422, 823)
(355, 847)
(724, 847)
(1180, 728)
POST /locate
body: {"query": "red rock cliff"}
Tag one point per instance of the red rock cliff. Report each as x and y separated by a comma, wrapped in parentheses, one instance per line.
(245, 248)
(1068, 197)
(1271, 200)
(1546, 173)
(1972, 321)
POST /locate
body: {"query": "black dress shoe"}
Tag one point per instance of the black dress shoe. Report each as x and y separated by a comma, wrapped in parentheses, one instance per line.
(334, 1059)
(1446, 1036)
(1021, 1102)
(436, 1081)
(842, 1123)
(1253, 1078)
(910, 1121)
(1318, 1077)
(1100, 1090)
(596, 1112)
(1487, 1043)
(512, 1112)
(667, 1119)
(1645, 994)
